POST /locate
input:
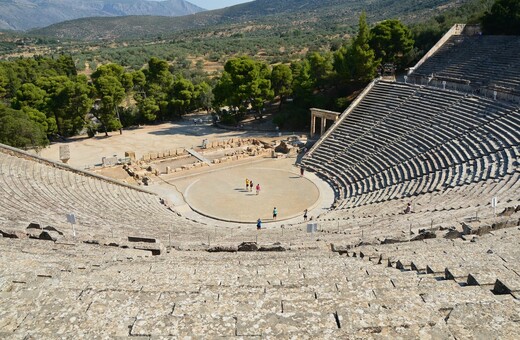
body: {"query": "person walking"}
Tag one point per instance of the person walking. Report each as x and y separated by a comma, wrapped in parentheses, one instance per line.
(302, 171)
(247, 184)
(250, 185)
(257, 189)
(258, 224)
(275, 213)
(305, 215)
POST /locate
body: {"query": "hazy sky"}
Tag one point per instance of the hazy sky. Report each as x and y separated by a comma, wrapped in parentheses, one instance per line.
(214, 4)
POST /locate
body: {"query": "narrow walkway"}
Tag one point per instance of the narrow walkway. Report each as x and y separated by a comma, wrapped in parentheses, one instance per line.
(198, 156)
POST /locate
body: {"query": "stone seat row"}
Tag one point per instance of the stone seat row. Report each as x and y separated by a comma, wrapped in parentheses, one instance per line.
(457, 155)
(37, 191)
(482, 263)
(218, 294)
(483, 60)
(460, 150)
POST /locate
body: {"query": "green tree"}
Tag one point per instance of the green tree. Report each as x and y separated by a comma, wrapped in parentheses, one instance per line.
(503, 18)
(57, 100)
(138, 80)
(281, 81)
(148, 108)
(111, 84)
(205, 96)
(303, 83)
(391, 41)
(18, 130)
(158, 73)
(157, 86)
(30, 95)
(181, 94)
(244, 82)
(79, 104)
(111, 93)
(357, 62)
(4, 82)
(46, 124)
(321, 67)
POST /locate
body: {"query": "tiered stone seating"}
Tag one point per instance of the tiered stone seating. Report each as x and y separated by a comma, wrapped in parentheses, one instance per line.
(492, 258)
(83, 290)
(37, 191)
(445, 152)
(481, 61)
(407, 150)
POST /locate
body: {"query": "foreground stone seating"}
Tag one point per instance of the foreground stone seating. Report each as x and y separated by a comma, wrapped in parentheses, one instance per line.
(59, 290)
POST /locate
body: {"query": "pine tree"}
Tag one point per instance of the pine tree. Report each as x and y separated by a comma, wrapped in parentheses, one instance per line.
(357, 62)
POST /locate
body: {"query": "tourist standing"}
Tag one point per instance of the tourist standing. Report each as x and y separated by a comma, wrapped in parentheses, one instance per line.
(257, 189)
(302, 170)
(250, 185)
(258, 224)
(247, 184)
(275, 213)
(305, 215)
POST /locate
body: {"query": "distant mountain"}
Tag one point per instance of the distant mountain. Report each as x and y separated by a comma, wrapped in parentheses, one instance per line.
(274, 15)
(28, 14)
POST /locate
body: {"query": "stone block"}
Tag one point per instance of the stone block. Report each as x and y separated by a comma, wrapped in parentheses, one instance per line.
(50, 228)
(109, 161)
(154, 248)
(34, 226)
(141, 239)
(13, 234)
(391, 241)
(146, 157)
(272, 247)
(153, 155)
(452, 234)
(131, 155)
(508, 211)
(160, 155)
(475, 229)
(248, 246)
(223, 249)
(424, 235)
(46, 236)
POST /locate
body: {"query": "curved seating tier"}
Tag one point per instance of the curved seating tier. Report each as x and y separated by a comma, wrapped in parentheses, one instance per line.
(480, 61)
(34, 191)
(406, 140)
(59, 290)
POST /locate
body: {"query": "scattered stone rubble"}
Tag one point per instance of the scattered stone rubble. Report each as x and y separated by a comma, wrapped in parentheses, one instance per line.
(144, 170)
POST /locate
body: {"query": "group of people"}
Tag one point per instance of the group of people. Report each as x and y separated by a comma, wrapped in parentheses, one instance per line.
(259, 221)
(249, 186)
(275, 215)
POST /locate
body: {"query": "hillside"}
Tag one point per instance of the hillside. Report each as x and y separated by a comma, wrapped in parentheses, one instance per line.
(277, 16)
(28, 14)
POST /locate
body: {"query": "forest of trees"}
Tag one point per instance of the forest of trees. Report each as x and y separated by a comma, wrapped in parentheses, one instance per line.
(51, 100)
(44, 98)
